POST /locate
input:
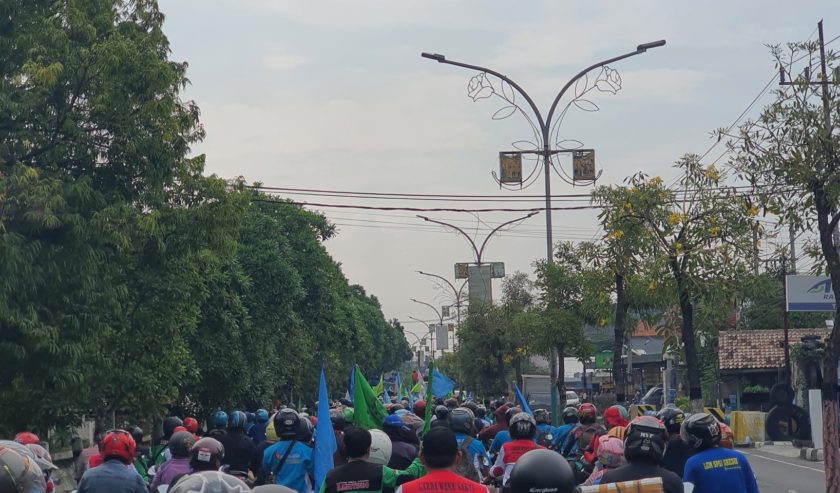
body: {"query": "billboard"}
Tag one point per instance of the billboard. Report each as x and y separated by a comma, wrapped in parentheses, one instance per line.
(441, 337)
(480, 284)
(809, 294)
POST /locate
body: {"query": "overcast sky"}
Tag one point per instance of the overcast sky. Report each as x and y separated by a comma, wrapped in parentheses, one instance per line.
(334, 95)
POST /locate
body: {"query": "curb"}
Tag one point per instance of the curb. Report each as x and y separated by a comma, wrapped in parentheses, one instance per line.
(812, 454)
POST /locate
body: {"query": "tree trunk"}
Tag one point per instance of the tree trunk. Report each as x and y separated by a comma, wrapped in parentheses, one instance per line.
(561, 376)
(618, 370)
(689, 344)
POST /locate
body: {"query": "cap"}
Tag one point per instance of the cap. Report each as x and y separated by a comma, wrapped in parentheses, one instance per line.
(395, 421)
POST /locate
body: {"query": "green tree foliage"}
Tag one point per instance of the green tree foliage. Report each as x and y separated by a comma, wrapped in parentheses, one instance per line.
(131, 282)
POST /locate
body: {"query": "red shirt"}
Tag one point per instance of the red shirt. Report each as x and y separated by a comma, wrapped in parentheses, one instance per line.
(442, 481)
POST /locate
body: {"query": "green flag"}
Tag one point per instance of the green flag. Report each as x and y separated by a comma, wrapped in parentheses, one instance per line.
(368, 411)
(380, 387)
(418, 387)
(429, 404)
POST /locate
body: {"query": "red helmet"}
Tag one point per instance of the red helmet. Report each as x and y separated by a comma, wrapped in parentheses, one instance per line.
(420, 408)
(27, 438)
(191, 424)
(587, 411)
(119, 444)
(179, 429)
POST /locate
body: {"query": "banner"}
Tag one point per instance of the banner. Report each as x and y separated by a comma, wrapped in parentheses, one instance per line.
(809, 294)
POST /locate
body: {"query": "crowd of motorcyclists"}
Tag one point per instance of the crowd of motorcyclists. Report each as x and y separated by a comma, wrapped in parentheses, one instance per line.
(470, 447)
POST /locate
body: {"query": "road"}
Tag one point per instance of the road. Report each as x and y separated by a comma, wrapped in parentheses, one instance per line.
(779, 473)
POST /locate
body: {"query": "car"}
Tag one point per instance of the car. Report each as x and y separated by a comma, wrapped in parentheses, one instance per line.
(572, 399)
(653, 396)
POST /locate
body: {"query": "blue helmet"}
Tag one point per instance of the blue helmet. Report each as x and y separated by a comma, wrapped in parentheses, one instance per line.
(238, 419)
(220, 419)
(262, 416)
(251, 417)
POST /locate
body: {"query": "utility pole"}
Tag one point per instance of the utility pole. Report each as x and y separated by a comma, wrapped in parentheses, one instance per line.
(792, 248)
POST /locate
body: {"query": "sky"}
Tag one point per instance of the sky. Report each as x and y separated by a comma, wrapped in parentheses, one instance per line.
(333, 95)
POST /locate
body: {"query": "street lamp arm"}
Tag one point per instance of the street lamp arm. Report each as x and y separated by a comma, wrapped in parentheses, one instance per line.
(442, 59)
(499, 227)
(454, 291)
(437, 312)
(456, 228)
(639, 50)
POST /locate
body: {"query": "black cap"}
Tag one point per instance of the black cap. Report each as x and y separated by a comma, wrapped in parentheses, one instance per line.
(542, 471)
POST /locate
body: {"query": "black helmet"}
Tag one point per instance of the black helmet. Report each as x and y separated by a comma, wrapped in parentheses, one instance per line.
(701, 431)
(136, 433)
(511, 412)
(210, 482)
(542, 416)
(543, 471)
(522, 426)
(570, 415)
(481, 412)
(169, 425)
(207, 455)
(181, 444)
(339, 422)
(472, 406)
(645, 440)
(462, 420)
(287, 424)
(672, 418)
(441, 412)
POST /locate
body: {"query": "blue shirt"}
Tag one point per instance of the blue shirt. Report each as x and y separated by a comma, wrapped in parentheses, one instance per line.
(475, 448)
(720, 470)
(501, 438)
(560, 434)
(112, 476)
(297, 471)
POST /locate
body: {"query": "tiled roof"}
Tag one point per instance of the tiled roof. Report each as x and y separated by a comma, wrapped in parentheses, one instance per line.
(759, 349)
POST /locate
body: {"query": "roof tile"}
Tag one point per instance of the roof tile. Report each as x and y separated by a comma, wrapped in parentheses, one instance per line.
(759, 349)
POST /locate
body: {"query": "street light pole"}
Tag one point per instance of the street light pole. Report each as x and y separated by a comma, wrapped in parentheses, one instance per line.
(456, 292)
(431, 336)
(545, 130)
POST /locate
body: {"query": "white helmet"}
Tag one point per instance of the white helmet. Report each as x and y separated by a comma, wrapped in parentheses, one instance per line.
(380, 448)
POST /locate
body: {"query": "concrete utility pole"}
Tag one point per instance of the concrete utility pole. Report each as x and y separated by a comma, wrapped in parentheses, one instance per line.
(543, 131)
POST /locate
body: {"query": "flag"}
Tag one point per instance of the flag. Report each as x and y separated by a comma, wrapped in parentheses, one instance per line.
(378, 388)
(368, 411)
(418, 387)
(429, 405)
(398, 386)
(441, 385)
(386, 399)
(352, 385)
(325, 446)
(523, 404)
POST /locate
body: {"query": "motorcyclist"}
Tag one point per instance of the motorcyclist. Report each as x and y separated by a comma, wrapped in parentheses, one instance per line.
(610, 456)
(570, 420)
(613, 417)
(541, 471)
(179, 445)
(44, 461)
(522, 430)
(644, 446)
(257, 433)
(503, 436)
(545, 432)
(419, 408)
(678, 451)
(714, 468)
(481, 419)
(115, 474)
(219, 423)
(403, 452)
(239, 448)
(191, 424)
(489, 433)
(19, 474)
(441, 417)
(210, 481)
(439, 454)
(580, 437)
(27, 438)
(474, 458)
(339, 423)
(160, 452)
(206, 455)
(270, 439)
(289, 460)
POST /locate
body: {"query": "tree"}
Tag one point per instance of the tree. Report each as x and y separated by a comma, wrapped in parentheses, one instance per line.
(700, 237)
(791, 156)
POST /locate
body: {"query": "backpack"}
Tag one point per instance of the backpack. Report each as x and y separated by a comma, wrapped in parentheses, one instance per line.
(465, 467)
(585, 434)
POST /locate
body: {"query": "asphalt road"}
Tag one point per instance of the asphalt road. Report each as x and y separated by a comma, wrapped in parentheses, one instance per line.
(779, 474)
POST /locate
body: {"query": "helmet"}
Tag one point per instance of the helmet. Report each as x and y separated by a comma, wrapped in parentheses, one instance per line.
(481, 412)
(396, 407)
(181, 443)
(394, 422)
(451, 403)
(206, 455)
(19, 473)
(542, 416)
(727, 439)
(270, 433)
(511, 412)
(169, 425)
(672, 418)
(570, 415)
(472, 406)
(238, 419)
(287, 424)
(220, 419)
(339, 422)
(420, 407)
(441, 412)
(610, 451)
(645, 440)
(522, 425)
(210, 482)
(178, 429)
(262, 416)
(250, 417)
(543, 471)
(622, 411)
(272, 488)
(380, 448)
(701, 431)
(120, 445)
(305, 430)
(191, 424)
(618, 432)
(587, 413)
(136, 433)
(42, 457)
(462, 420)
(26, 437)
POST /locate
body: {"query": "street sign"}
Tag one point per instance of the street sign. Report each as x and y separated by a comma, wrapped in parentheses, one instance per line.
(603, 360)
(583, 165)
(510, 167)
(498, 269)
(441, 337)
(809, 294)
(462, 270)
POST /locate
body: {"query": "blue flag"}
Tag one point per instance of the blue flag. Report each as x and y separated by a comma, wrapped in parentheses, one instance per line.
(386, 399)
(325, 446)
(441, 384)
(523, 404)
(398, 386)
